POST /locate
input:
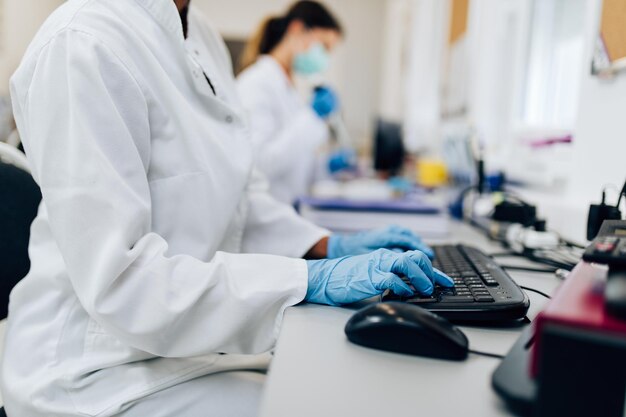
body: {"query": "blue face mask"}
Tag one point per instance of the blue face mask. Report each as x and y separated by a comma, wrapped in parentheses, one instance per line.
(313, 61)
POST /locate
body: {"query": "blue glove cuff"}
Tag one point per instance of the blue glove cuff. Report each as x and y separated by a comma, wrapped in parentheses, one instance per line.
(334, 247)
(319, 273)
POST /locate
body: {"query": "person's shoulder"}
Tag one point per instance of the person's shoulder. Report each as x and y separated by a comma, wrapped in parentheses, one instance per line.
(111, 23)
(84, 25)
(265, 74)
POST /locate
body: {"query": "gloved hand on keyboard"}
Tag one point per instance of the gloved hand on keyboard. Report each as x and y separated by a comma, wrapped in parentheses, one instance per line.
(393, 237)
(354, 278)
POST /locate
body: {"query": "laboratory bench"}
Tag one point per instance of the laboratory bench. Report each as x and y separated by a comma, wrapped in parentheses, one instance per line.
(317, 372)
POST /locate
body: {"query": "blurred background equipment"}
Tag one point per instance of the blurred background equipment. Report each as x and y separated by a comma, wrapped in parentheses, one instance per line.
(389, 151)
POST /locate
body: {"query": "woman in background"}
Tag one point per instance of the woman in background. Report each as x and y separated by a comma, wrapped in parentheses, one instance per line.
(286, 130)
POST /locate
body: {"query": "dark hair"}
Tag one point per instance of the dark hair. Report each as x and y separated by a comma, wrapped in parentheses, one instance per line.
(311, 13)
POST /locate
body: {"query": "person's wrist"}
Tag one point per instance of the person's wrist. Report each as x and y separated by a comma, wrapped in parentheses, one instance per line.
(312, 267)
(319, 250)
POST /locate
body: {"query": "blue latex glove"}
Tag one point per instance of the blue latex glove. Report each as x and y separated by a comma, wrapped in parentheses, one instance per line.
(325, 102)
(393, 237)
(354, 278)
(341, 160)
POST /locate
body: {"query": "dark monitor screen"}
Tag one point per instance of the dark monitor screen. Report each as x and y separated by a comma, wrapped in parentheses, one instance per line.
(388, 147)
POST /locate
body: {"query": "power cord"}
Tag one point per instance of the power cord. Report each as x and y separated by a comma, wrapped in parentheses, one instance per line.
(528, 269)
(503, 254)
(487, 354)
(536, 291)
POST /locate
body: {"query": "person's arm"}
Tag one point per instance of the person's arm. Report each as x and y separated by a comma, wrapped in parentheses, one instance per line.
(85, 121)
(274, 227)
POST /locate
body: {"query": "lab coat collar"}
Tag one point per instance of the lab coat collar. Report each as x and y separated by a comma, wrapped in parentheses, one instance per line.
(277, 68)
(166, 13)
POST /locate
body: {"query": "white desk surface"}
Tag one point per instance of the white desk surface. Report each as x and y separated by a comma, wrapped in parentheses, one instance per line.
(317, 372)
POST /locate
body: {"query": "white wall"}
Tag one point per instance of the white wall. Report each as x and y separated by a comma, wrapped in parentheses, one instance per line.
(427, 43)
(357, 63)
(600, 135)
(599, 144)
(21, 20)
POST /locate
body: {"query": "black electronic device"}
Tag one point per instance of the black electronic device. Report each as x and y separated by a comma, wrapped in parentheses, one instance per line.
(598, 213)
(609, 247)
(572, 360)
(409, 329)
(512, 380)
(389, 149)
(513, 210)
(483, 291)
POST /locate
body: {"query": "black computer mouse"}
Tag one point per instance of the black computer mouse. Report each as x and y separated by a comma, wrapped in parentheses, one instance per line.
(406, 328)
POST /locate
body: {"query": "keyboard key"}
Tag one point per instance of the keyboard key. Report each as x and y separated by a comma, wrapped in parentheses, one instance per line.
(457, 299)
(481, 294)
(484, 299)
(422, 300)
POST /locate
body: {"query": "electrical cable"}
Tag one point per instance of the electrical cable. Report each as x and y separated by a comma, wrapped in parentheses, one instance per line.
(487, 354)
(571, 243)
(549, 259)
(536, 291)
(621, 194)
(528, 269)
(503, 254)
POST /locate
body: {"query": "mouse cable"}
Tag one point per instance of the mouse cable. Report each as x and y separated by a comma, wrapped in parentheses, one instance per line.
(536, 291)
(487, 354)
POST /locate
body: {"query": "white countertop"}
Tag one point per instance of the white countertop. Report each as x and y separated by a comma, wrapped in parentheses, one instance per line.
(317, 372)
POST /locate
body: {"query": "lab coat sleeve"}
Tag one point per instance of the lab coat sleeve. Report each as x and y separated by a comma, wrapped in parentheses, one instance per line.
(85, 122)
(274, 227)
(280, 150)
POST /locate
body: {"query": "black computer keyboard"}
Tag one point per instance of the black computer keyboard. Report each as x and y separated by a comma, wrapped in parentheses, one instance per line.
(482, 291)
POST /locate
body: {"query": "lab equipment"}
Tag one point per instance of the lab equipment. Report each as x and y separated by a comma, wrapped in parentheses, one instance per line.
(355, 278)
(483, 291)
(609, 248)
(405, 328)
(325, 102)
(313, 61)
(598, 213)
(572, 361)
(389, 149)
(340, 130)
(431, 172)
(392, 237)
(342, 214)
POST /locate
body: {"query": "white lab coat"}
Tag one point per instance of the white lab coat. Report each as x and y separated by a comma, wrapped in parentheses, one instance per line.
(155, 247)
(286, 132)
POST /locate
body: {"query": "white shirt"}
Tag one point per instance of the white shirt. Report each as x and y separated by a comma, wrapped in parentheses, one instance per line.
(156, 246)
(286, 132)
